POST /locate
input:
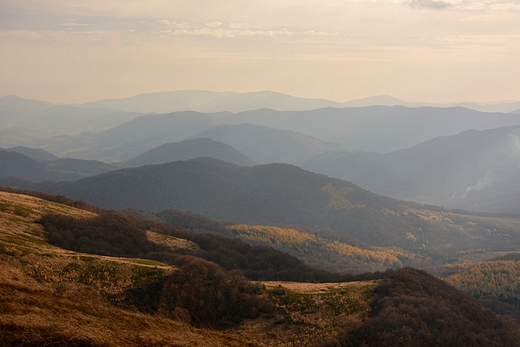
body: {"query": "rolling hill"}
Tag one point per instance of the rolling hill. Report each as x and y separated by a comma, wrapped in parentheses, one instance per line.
(190, 149)
(473, 170)
(412, 308)
(285, 195)
(78, 291)
(265, 145)
(54, 294)
(70, 298)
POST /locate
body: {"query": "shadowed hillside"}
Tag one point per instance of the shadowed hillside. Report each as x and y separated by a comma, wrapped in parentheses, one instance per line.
(285, 195)
(412, 308)
(190, 149)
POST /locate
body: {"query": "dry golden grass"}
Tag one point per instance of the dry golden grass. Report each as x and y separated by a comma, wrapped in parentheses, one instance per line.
(51, 296)
(34, 317)
(171, 241)
(318, 288)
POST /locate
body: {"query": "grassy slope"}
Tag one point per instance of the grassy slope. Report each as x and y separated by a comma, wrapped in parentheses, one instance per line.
(52, 295)
(49, 295)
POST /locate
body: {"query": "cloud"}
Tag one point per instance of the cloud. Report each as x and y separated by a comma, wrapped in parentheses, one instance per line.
(430, 4)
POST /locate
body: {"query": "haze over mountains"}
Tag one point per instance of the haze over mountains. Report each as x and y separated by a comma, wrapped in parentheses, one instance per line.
(17, 166)
(424, 154)
(206, 101)
(474, 170)
(265, 145)
(379, 129)
(190, 149)
(220, 200)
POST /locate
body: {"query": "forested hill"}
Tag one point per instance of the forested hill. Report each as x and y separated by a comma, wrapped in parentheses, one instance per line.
(285, 195)
(412, 308)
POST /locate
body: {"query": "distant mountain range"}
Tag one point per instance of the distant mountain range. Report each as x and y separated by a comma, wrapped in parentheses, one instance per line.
(17, 166)
(206, 101)
(50, 119)
(376, 128)
(263, 135)
(128, 140)
(474, 170)
(94, 128)
(16, 111)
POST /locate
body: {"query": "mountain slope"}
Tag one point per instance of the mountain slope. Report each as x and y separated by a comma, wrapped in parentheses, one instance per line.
(50, 119)
(50, 295)
(265, 145)
(284, 195)
(37, 154)
(59, 296)
(12, 104)
(412, 308)
(190, 149)
(377, 128)
(473, 170)
(13, 164)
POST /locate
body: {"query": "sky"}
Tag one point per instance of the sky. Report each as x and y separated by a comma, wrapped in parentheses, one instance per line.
(436, 51)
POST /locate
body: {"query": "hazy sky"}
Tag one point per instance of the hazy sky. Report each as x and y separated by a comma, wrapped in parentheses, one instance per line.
(420, 50)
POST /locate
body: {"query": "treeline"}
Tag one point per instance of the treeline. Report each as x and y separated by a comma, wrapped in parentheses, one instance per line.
(212, 286)
(256, 262)
(202, 293)
(110, 233)
(413, 308)
(193, 221)
(495, 283)
(323, 249)
(199, 292)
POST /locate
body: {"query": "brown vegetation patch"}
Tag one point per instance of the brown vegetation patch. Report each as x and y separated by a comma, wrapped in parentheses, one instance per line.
(171, 241)
(35, 318)
(309, 313)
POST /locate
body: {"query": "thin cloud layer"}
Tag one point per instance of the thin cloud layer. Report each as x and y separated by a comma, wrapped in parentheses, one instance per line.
(418, 50)
(430, 4)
